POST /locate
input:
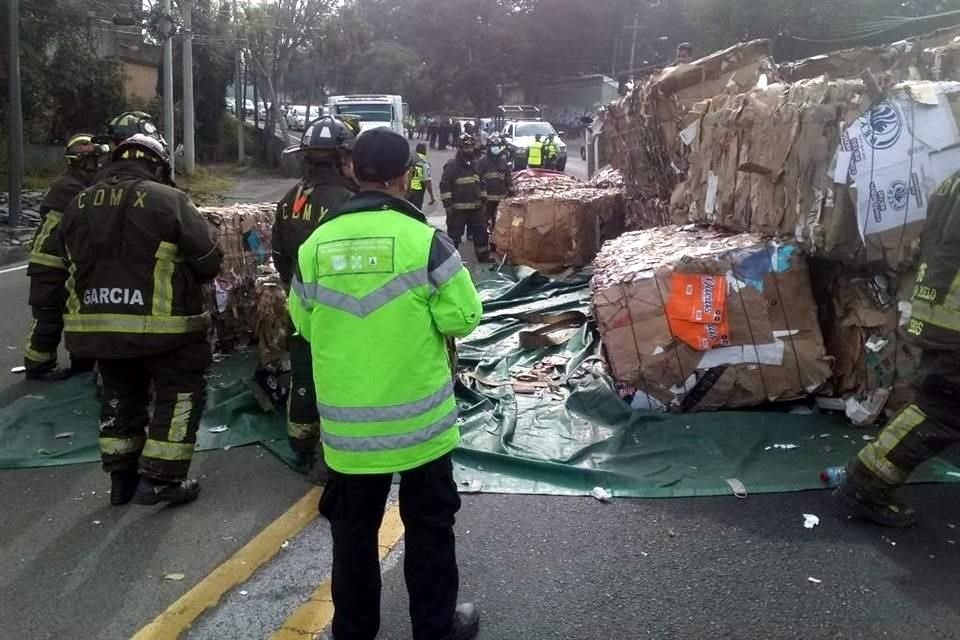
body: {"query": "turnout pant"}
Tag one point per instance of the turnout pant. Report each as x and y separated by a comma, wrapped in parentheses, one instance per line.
(41, 351)
(354, 505)
(457, 223)
(919, 432)
(303, 421)
(161, 441)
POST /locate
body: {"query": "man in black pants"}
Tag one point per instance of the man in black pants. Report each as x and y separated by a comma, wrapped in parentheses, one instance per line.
(384, 381)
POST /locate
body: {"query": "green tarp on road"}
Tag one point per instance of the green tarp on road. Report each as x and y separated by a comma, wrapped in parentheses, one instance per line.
(565, 438)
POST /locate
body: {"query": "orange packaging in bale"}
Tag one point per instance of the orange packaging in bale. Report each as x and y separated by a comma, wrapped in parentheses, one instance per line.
(697, 310)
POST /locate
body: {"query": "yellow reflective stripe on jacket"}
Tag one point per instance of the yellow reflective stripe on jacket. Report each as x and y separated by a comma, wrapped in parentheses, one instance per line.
(129, 323)
(174, 451)
(73, 301)
(47, 260)
(493, 175)
(468, 180)
(446, 195)
(466, 206)
(166, 257)
(50, 223)
(937, 315)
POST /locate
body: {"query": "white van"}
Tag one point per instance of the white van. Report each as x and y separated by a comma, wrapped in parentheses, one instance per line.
(373, 110)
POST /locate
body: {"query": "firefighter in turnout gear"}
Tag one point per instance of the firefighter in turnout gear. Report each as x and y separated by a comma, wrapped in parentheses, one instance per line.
(47, 266)
(463, 195)
(137, 253)
(378, 293)
(327, 180)
(421, 180)
(495, 171)
(932, 423)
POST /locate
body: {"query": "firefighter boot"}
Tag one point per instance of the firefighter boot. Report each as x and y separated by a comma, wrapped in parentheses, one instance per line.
(877, 506)
(123, 484)
(150, 492)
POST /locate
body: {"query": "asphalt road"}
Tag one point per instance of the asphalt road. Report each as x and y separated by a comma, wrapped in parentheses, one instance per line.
(540, 567)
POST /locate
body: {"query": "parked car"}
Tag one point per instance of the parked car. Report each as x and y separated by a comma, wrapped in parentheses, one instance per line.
(231, 105)
(297, 116)
(521, 133)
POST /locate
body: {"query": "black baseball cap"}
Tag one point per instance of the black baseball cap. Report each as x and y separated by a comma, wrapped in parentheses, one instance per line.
(380, 155)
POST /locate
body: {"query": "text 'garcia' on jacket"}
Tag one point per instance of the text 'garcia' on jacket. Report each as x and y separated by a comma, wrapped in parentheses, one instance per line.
(137, 253)
(935, 307)
(377, 293)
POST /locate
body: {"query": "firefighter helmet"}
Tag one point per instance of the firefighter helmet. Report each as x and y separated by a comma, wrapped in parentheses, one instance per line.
(466, 140)
(130, 123)
(82, 148)
(327, 135)
(141, 146)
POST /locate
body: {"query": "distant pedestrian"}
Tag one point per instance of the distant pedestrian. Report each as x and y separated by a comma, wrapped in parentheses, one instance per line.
(420, 179)
(443, 134)
(433, 132)
(684, 53)
(379, 336)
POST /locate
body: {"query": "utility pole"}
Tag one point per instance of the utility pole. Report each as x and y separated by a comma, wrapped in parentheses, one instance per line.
(633, 43)
(15, 115)
(238, 101)
(189, 151)
(168, 131)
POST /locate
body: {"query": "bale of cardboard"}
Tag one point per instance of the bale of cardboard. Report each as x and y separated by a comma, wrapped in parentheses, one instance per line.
(698, 319)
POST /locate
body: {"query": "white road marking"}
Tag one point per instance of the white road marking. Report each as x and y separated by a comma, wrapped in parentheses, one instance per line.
(11, 269)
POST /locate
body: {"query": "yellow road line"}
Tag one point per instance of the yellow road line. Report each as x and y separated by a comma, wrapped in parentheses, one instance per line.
(316, 614)
(181, 614)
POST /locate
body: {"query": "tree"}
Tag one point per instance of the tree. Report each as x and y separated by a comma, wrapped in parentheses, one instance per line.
(66, 86)
(801, 29)
(274, 32)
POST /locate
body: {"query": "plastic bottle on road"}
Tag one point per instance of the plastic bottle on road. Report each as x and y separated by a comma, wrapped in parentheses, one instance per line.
(833, 476)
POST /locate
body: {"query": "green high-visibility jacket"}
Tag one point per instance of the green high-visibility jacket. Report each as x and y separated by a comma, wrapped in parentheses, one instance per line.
(535, 154)
(377, 294)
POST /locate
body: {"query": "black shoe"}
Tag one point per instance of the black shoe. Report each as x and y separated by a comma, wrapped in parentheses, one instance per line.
(880, 507)
(53, 374)
(150, 492)
(123, 484)
(466, 623)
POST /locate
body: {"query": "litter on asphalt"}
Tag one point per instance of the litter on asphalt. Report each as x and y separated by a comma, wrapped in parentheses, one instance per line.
(810, 521)
(601, 494)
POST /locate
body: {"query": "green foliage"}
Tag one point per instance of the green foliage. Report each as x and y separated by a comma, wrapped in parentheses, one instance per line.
(801, 29)
(66, 86)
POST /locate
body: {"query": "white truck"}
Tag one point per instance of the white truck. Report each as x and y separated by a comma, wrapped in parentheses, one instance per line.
(373, 110)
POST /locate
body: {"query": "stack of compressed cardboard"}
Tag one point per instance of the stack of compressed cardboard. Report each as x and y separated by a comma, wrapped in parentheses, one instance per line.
(694, 318)
(820, 161)
(760, 161)
(558, 226)
(272, 319)
(875, 361)
(641, 134)
(244, 232)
